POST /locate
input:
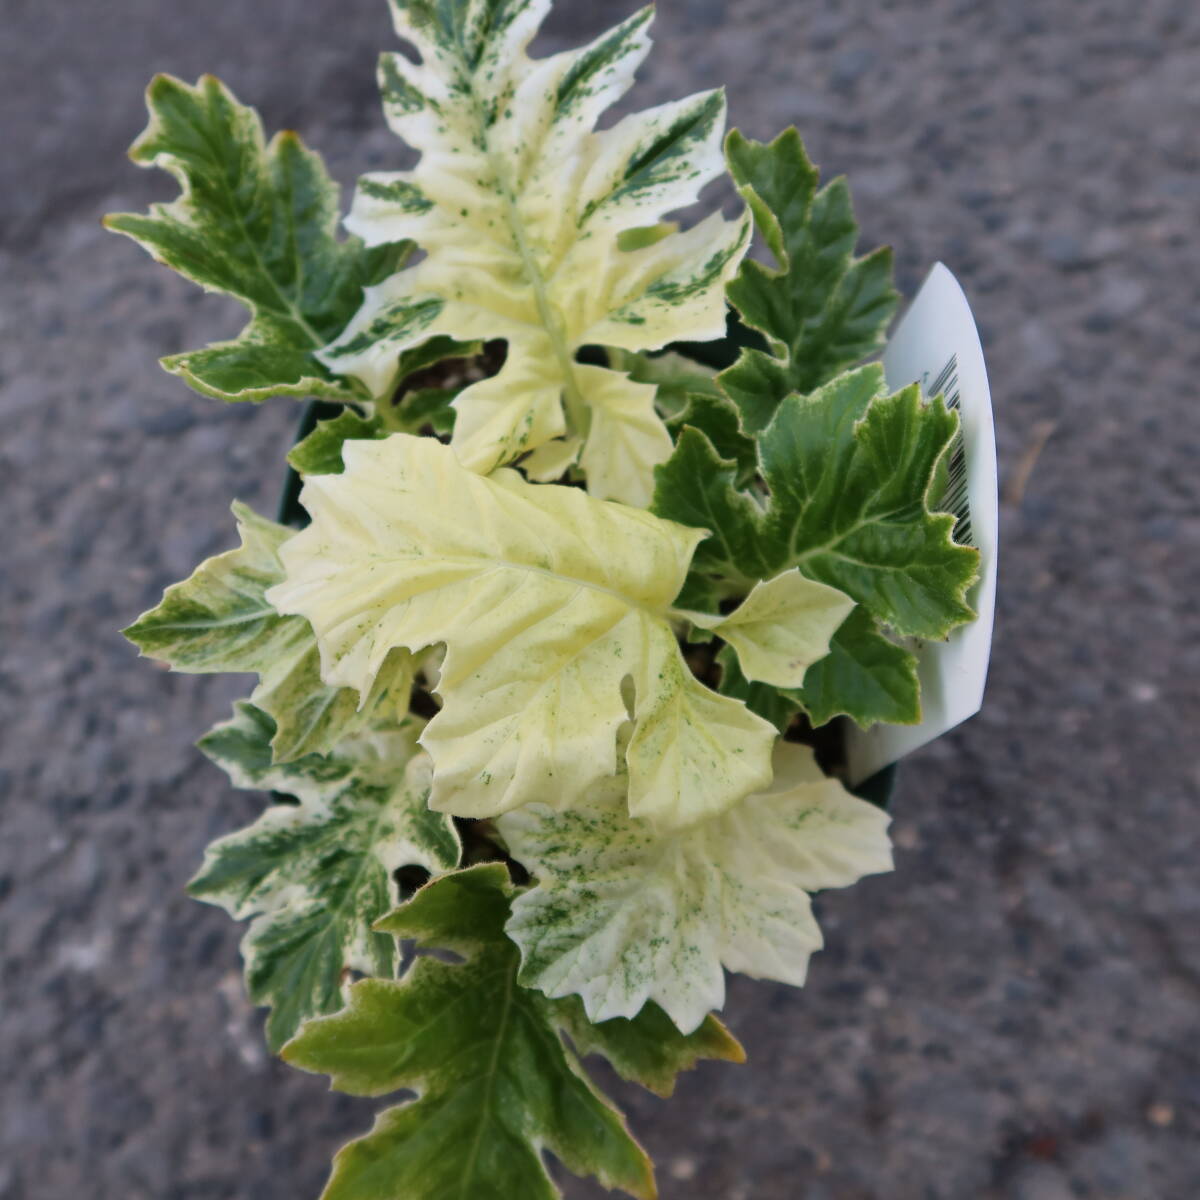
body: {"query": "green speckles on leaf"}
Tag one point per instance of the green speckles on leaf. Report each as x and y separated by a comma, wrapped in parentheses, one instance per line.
(399, 94)
(626, 40)
(532, 589)
(545, 232)
(674, 909)
(667, 155)
(394, 324)
(400, 192)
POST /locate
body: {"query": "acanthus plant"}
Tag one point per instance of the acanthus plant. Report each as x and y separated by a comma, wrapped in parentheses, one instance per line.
(559, 631)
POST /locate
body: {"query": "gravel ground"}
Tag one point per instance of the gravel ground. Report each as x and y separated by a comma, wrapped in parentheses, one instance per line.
(1014, 1012)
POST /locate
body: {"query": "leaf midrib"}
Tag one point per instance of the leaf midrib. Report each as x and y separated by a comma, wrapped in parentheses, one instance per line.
(489, 1083)
(288, 307)
(577, 408)
(487, 565)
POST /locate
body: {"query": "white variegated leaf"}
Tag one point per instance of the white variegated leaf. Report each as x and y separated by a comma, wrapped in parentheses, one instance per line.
(549, 602)
(624, 913)
(542, 231)
(317, 874)
(220, 620)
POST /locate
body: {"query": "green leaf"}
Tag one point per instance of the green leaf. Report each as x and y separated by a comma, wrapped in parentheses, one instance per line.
(220, 620)
(864, 676)
(698, 487)
(774, 704)
(542, 231)
(426, 407)
(849, 471)
(622, 914)
(849, 474)
(547, 601)
(648, 1048)
(496, 1084)
(675, 376)
(821, 309)
(316, 875)
(430, 353)
(321, 452)
(256, 221)
(717, 418)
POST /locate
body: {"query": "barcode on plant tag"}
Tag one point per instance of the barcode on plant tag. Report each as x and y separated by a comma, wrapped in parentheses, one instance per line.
(954, 498)
(936, 345)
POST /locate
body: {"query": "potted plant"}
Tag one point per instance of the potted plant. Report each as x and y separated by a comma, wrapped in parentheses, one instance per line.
(550, 678)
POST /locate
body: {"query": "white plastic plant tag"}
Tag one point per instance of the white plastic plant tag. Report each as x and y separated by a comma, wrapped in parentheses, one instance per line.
(937, 345)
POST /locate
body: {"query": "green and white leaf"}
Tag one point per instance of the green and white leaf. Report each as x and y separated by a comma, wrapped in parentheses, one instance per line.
(316, 875)
(496, 1085)
(255, 221)
(547, 600)
(849, 472)
(623, 914)
(820, 309)
(219, 619)
(542, 231)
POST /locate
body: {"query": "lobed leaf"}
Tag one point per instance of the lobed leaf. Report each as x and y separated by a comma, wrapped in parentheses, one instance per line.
(317, 874)
(820, 309)
(543, 231)
(219, 619)
(849, 473)
(320, 453)
(256, 221)
(622, 914)
(547, 601)
(496, 1085)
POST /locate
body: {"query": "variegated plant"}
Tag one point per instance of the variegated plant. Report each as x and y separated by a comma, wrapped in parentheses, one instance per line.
(568, 605)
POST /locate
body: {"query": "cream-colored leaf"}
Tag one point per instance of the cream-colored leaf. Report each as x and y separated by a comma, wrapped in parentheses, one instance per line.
(691, 747)
(504, 416)
(549, 603)
(624, 913)
(782, 627)
(626, 439)
(552, 460)
(523, 208)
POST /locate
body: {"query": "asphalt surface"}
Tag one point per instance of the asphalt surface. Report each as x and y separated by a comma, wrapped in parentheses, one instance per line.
(1014, 1012)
